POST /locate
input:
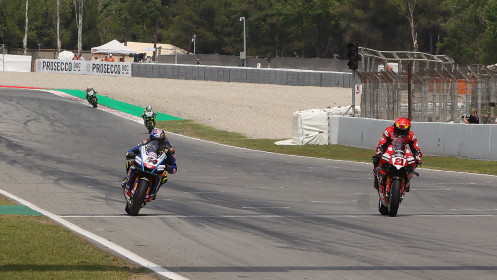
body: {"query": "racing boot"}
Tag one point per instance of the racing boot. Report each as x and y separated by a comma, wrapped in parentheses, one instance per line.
(123, 184)
(375, 183)
(162, 182)
(125, 181)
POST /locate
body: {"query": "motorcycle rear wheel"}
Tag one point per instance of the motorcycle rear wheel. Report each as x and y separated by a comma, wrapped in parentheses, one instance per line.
(93, 102)
(394, 197)
(138, 199)
(150, 126)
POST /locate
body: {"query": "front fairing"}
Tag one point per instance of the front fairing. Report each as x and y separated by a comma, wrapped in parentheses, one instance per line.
(397, 163)
(149, 116)
(148, 166)
(149, 160)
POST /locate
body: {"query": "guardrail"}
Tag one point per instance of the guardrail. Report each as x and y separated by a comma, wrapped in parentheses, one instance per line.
(291, 77)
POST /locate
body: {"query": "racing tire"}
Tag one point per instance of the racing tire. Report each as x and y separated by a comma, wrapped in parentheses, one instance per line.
(138, 199)
(395, 189)
(150, 126)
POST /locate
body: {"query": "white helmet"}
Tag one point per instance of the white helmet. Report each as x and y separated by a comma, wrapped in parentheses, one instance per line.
(149, 108)
(88, 89)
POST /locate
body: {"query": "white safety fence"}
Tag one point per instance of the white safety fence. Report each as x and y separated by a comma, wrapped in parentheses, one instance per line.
(473, 141)
(15, 63)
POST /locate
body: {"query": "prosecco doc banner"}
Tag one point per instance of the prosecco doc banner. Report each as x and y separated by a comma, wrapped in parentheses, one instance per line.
(118, 69)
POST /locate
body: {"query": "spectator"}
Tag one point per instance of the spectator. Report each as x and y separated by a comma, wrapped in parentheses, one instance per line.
(106, 58)
(198, 61)
(473, 118)
(75, 57)
(111, 58)
(81, 57)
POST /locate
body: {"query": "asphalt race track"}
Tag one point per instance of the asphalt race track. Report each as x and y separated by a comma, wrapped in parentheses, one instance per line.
(231, 213)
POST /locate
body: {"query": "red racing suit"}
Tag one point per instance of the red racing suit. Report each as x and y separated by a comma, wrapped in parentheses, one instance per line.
(387, 138)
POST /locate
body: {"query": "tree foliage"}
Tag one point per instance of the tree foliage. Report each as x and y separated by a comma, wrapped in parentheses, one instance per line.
(466, 30)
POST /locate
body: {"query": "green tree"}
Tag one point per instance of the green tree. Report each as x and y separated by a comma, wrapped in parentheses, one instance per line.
(489, 35)
(316, 22)
(375, 24)
(463, 31)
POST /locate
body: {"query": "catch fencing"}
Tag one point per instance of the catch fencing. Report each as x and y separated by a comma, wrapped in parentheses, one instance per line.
(436, 95)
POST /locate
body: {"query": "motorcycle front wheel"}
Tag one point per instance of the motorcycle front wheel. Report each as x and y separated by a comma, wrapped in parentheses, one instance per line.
(394, 197)
(137, 200)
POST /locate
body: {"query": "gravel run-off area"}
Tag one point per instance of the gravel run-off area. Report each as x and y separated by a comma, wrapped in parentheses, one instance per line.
(255, 110)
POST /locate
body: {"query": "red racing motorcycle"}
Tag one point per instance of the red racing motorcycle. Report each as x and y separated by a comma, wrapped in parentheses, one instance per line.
(393, 175)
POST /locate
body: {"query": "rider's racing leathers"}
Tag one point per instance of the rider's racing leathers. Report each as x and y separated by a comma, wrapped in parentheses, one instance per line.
(386, 139)
(170, 163)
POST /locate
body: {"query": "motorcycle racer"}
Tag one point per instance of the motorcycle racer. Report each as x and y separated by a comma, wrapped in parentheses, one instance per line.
(159, 142)
(401, 129)
(89, 91)
(148, 110)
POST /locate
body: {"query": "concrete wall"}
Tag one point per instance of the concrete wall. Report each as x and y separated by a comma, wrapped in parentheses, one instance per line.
(444, 139)
(315, 64)
(243, 74)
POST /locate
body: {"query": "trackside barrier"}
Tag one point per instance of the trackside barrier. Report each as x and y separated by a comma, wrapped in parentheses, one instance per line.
(442, 139)
(117, 69)
(292, 77)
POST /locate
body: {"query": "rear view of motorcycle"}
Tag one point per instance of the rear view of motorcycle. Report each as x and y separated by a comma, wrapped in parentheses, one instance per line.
(149, 119)
(393, 176)
(92, 98)
(148, 170)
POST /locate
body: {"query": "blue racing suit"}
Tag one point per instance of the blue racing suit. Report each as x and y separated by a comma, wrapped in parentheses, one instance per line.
(170, 163)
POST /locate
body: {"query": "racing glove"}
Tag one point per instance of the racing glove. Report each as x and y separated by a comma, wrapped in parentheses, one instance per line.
(376, 158)
(170, 169)
(418, 160)
(130, 155)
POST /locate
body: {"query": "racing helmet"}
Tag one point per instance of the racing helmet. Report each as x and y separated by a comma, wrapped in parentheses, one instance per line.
(402, 126)
(159, 135)
(88, 89)
(149, 108)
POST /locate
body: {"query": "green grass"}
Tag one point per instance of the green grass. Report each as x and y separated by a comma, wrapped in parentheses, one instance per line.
(190, 128)
(34, 247)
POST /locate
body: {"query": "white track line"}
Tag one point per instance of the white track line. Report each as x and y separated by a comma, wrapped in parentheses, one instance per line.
(111, 245)
(127, 254)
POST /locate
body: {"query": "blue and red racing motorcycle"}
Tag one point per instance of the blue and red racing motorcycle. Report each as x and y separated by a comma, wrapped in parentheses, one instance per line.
(147, 169)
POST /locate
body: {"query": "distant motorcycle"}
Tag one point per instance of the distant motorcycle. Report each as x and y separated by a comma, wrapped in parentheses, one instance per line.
(394, 175)
(149, 119)
(92, 98)
(148, 169)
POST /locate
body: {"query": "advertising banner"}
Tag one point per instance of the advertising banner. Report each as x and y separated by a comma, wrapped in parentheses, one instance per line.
(60, 66)
(119, 69)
